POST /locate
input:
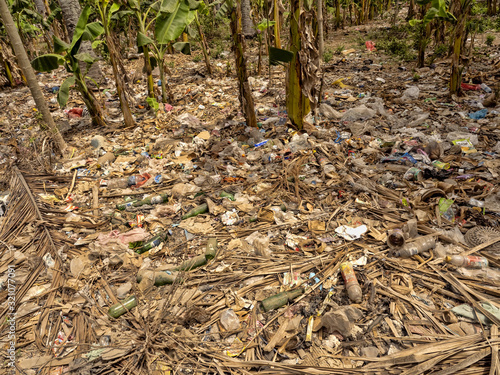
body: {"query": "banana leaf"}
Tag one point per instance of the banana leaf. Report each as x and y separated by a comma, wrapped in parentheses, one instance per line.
(63, 94)
(169, 26)
(279, 56)
(47, 63)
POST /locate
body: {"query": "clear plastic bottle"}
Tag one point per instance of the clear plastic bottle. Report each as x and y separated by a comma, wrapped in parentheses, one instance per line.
(117, 183)
(416, 247)
(468, 261)
(351, 282)
(485, 87)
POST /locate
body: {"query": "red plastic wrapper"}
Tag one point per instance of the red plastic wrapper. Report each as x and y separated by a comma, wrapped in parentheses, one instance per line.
(467, 87)
(74, 112)
(370, 46)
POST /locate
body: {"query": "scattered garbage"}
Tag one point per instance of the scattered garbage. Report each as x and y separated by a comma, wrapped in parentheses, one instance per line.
(347, 246)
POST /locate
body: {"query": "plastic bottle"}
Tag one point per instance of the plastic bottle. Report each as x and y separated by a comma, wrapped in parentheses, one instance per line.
(414, 174)
(152, 242)
(121, 308)
(151, 200)
(351, 282)
(325, 165)
(485, 88)
(201, 209)
(395, 238)
(138, 180)
(475, 203)
(416, 247)
(124, 205)
(230, 196)
(117, 183)
(281, 299)
(468, 261)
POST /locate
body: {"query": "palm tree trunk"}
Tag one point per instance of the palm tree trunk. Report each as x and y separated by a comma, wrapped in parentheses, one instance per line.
(246, 19)
(25, 66)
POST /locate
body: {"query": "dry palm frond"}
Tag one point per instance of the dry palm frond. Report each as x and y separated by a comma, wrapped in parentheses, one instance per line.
(32, 227)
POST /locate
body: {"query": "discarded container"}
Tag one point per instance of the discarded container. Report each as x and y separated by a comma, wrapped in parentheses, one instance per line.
(138, 180)
(476, 203)
(414, 174)
(201, 209)
(440, 165)
(485, 87)
(395, 238)
(117, 183)
(124, 205)
(230, 196)
(121, 308)
(281, 299)
(416, 247)
(351, 282)
(211, 249)
(468, 261)
(152, 242)
(160, 277)
(192, 263)
(151, 200)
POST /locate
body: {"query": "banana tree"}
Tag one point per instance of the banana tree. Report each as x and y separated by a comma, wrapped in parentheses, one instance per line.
(245, 93)
(461, 8)
(142, 18)
(172, 19)
(431, 10)
(303, 68)
(204, 10)
(67, 55)
(262, 26)
(106, 9)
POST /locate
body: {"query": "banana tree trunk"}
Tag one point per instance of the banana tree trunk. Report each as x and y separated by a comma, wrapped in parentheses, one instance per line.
(297, 104)
(245, 94)
(149, 72)
(166, 94)
(203, 44)
(25, 66)
(120, 85)
(6, 66)
(462, 9)
(90, 100)
(337, 14)
(277, 24)
(411, 10)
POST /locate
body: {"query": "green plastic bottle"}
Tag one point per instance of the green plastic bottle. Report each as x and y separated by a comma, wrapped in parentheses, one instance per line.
(152, 242)
(151, 200)
(121, 308)
(201, 209)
